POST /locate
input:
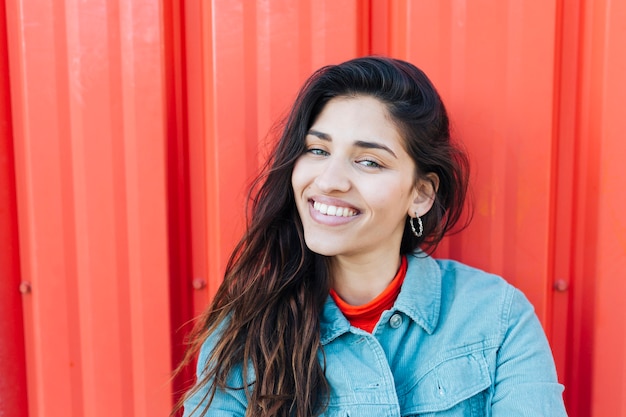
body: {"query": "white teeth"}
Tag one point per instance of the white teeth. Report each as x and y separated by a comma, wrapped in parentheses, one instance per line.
(333, 210)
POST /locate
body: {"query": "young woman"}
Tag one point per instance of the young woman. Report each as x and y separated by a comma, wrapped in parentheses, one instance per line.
(330, 305)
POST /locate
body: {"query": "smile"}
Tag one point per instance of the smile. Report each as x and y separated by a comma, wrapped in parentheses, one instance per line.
(334, 210)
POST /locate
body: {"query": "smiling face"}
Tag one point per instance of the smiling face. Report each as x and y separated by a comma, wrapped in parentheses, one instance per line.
(355, 184)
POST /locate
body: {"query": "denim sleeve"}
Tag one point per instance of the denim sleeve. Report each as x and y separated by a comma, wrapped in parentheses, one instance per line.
(226, 403)
(525, 381)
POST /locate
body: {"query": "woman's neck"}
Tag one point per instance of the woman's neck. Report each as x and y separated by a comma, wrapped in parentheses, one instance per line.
(357, 281)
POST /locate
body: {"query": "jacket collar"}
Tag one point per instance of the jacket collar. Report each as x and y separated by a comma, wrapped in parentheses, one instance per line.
(419, 299)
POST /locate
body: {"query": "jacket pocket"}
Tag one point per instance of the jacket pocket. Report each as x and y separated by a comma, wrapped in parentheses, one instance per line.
(456, 386)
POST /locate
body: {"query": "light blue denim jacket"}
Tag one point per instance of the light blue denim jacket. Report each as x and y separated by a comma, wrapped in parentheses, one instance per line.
(457, 342)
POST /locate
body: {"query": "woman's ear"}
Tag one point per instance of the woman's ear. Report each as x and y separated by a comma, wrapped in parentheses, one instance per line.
(425, 192)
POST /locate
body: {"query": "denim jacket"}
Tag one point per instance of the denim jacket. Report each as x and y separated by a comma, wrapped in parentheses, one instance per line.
(457, 342)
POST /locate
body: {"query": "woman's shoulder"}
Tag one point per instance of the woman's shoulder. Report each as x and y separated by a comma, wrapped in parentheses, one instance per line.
(446, 291)
(464, 278)
(451, 275)
(481, 293)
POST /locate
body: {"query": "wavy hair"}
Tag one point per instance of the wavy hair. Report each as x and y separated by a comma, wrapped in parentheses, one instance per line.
(266, 311)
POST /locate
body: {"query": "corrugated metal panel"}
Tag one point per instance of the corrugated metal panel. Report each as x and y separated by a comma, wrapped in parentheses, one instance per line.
(566, 97)
(13, 397)
(120, 105)
(89, 122)
(597, 355)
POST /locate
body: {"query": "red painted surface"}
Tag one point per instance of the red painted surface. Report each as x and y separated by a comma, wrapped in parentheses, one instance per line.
(13, 394)
(88, 107)
(597, 356)
(137, 126)
(178, 218)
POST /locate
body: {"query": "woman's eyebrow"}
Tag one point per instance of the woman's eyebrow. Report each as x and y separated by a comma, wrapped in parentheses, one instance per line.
(320, 135)
(374, 145)
(359, 143)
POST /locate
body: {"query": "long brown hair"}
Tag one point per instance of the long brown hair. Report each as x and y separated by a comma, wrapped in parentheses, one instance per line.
(264, 320)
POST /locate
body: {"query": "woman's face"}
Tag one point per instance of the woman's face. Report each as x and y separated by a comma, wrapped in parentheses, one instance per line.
(355, 183)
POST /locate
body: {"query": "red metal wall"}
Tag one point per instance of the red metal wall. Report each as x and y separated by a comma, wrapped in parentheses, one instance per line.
(596, 360)
(89, 118)
(13, 395)
(135, 127)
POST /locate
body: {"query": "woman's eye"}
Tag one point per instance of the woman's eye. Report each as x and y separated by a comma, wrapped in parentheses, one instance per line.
(317, 151)
(369, 163)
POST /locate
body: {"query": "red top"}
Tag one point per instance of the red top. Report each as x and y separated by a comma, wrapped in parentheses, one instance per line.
(366, 316)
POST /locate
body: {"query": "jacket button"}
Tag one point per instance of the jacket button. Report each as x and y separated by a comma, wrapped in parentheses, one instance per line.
(395, 321)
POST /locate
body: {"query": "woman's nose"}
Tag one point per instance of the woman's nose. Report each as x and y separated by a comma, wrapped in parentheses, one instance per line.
(333, 176)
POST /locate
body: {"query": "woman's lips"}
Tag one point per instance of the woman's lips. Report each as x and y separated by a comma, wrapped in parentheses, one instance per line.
(332, 214)
(332, 210)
